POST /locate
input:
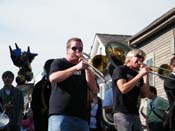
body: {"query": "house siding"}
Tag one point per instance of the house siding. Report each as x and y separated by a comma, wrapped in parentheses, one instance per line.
(161, 47)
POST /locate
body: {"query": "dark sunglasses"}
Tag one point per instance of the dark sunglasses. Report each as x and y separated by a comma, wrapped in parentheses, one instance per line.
(80, 49)
(139, 56)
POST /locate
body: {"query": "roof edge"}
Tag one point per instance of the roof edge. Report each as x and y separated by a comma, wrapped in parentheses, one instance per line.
(154, 27)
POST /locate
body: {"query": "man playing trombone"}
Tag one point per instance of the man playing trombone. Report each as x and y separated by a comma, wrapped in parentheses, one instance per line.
(130, 81)
(70, 78)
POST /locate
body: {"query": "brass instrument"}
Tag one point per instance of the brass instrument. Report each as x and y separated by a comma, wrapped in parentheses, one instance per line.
(116, 53)
(97, 64)
(164, 71)
(106, 118)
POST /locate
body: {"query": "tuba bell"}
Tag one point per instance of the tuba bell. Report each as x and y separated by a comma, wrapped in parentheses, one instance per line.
(116, 53)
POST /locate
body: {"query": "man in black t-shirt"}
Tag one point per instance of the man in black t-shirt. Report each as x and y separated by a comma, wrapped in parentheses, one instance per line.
(128, 84)
(169, 86)
(70, 78)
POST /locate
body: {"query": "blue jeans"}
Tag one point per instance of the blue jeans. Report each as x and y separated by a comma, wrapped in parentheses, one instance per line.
(127, 122)
(67, 123)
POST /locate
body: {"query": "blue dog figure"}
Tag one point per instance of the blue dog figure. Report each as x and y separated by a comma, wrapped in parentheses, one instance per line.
(23, 61)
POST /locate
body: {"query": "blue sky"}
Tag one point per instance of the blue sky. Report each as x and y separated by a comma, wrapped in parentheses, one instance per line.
(45, 25)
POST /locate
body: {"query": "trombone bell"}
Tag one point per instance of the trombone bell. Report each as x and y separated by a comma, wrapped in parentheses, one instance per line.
(164, 71)
(99, 62)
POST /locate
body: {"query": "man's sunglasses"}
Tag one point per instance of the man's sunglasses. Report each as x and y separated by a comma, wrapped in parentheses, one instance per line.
(80, 49)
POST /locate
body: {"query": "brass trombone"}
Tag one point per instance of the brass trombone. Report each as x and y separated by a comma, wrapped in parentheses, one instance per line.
(164, 71)
(97, 64)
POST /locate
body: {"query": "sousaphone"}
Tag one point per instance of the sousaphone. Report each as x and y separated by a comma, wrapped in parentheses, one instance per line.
(115, 53)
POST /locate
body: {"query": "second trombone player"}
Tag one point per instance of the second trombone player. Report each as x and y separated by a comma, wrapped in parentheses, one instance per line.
(129, 82)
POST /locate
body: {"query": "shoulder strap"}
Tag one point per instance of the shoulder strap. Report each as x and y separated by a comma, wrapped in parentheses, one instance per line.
(155, 112)
(43, 99)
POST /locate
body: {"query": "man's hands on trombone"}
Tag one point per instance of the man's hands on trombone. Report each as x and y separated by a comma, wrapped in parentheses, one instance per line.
(82, 64)
(144, 69)
(87, 65)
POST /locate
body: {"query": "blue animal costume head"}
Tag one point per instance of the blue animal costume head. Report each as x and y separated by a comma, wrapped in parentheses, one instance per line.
(23, 61)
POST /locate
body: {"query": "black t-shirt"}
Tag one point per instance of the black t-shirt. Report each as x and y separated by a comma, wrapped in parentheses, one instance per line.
(169, 86)
(70, 96)
(126, 103)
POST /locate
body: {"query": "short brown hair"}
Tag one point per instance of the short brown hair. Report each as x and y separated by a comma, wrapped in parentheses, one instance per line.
(73, 39)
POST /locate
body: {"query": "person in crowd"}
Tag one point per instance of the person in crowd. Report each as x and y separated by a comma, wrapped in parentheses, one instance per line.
(95, 113)
(157, 108)
(28, 104)
(40, 99)
(27, 123)
(70, 79)
(169, 86)
(13, 101)
(130, 81)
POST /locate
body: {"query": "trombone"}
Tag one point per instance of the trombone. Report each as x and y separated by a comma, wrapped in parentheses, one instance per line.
(97, 64)
(164, 71)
